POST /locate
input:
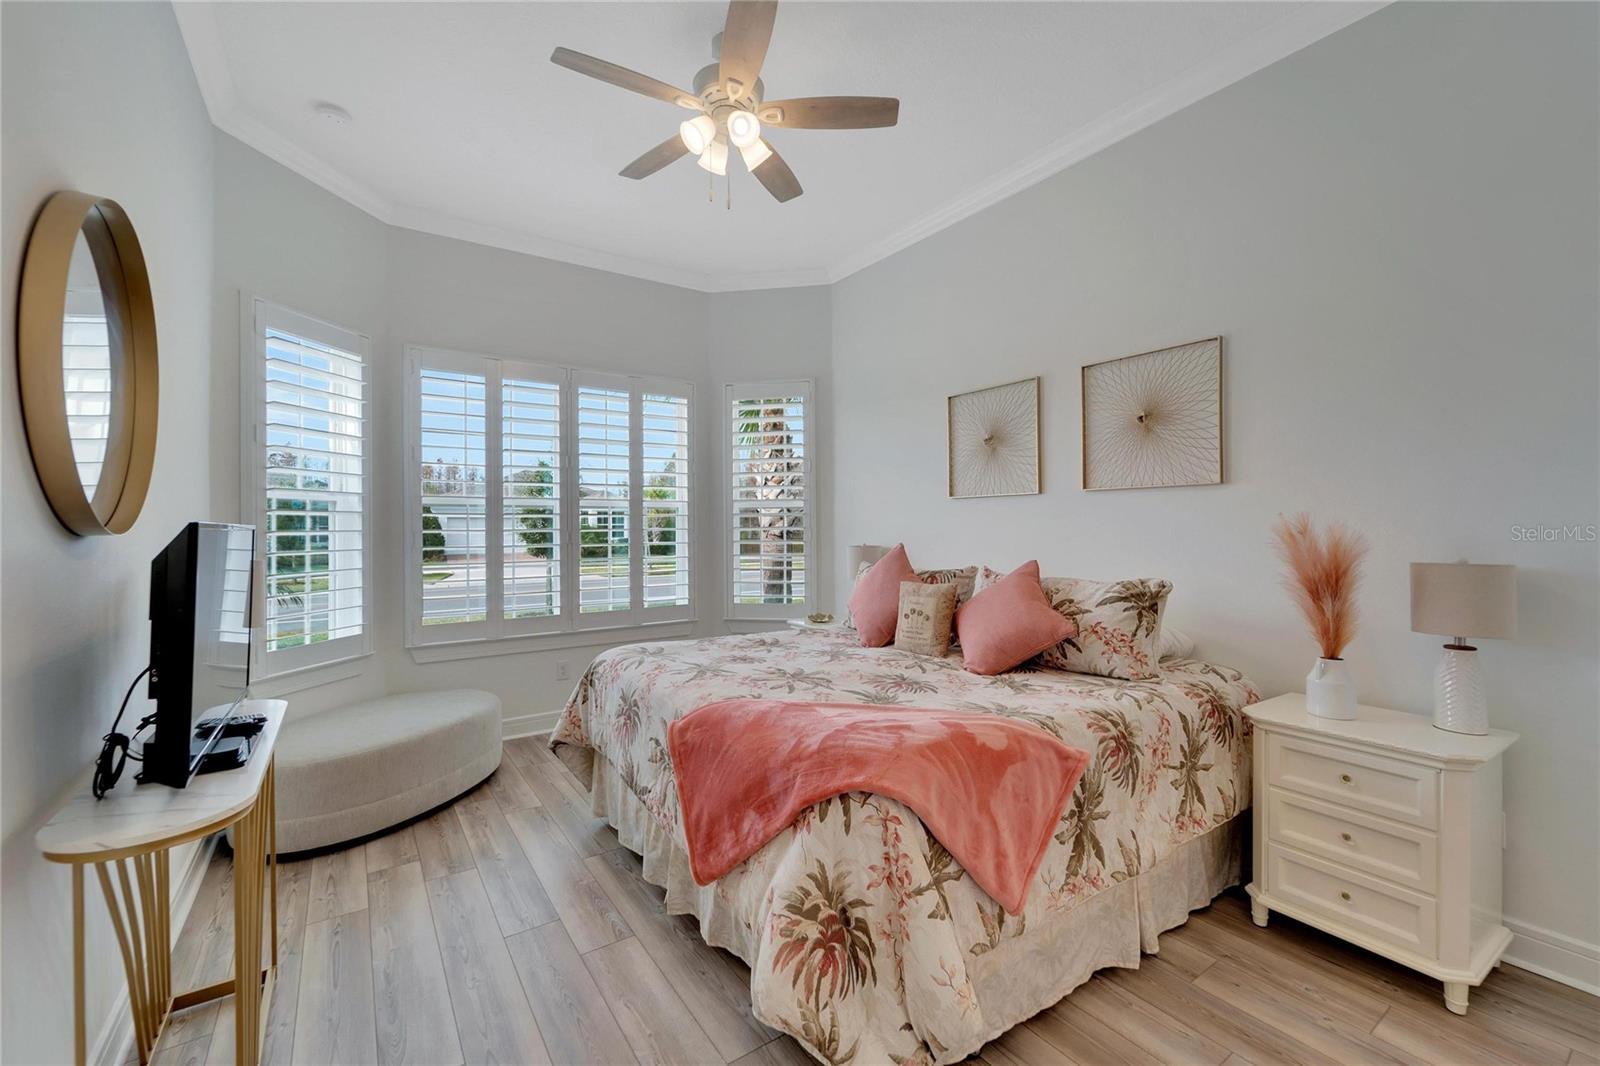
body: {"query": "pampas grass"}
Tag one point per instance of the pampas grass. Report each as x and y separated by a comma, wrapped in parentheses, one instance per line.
(1322, 576)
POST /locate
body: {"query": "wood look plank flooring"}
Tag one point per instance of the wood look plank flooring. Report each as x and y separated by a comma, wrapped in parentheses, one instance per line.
(510, 927)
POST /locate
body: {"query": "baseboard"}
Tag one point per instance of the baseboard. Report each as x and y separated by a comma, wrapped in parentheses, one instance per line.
(1554, 955)
(115, 1043)
(527, 725)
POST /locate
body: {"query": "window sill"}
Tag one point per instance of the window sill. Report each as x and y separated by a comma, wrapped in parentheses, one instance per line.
(599, 637)
(300, 678)
(754, 625)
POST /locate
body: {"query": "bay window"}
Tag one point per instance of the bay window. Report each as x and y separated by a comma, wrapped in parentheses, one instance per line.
(545, 499)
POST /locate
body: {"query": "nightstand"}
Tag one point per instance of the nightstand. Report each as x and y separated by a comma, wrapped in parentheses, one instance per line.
(806, 623)
(1385, 832)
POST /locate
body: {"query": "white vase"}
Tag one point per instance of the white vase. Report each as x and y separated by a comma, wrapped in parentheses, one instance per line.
(1329, 691)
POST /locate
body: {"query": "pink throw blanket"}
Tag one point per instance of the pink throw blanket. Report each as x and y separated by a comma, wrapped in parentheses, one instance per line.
(989, 788)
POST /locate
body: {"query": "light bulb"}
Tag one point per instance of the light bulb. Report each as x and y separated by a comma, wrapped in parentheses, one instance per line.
(715, 158)
(697, 132)
(744, 129)
(755, 154)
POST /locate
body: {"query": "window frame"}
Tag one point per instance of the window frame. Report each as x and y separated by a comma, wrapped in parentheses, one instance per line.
(570, 619)
(735, 392)
(256, 316)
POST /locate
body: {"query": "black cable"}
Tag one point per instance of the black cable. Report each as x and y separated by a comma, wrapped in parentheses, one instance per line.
(114, 750)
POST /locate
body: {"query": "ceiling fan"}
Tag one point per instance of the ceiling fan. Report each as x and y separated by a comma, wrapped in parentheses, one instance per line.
(730, 99)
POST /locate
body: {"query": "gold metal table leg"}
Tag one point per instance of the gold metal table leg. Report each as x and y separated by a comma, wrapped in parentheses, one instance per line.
(80, 1045)
(139, 899)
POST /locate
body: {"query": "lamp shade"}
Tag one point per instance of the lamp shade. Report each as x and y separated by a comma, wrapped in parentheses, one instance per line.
(1464, 600)
(858, 554)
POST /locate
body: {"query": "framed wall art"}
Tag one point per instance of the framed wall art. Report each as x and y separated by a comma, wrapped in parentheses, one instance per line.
(994, 441)
(1154, 420)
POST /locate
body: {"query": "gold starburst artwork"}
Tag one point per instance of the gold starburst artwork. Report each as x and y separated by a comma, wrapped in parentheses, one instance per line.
(994, 441)
(1154, 420)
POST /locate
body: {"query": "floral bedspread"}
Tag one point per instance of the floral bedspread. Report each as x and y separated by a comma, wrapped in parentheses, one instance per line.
(865, 928)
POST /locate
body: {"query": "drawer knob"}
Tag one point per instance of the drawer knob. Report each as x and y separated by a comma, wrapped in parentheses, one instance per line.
(1345, 778)
(1346, 837)
(1345, 896)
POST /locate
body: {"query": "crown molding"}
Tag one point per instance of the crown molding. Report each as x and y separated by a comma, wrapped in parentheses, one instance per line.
(203, 40)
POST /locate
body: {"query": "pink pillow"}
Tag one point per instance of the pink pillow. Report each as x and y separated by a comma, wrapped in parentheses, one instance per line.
(875, 603)
(1009, 622)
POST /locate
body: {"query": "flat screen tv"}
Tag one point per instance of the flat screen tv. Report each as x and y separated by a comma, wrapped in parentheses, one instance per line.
(199, 643)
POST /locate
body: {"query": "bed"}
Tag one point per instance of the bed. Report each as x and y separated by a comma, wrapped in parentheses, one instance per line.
(865, 939)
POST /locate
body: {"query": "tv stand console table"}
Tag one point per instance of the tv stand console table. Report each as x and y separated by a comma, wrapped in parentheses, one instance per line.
(128, 837)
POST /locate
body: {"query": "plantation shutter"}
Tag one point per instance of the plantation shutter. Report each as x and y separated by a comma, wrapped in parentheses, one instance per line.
(546, 499)
(454, 479)
(668, 522)
(312, 451)
(86, 382)
(532, 484)
(603, 435)
(771, 522)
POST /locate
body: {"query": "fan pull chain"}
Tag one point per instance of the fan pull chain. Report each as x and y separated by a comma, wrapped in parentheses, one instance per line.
(730, 188)
(711, 187)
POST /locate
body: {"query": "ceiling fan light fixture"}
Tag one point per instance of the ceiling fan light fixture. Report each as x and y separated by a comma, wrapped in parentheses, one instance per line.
(715, 158)
(698, 134)
(744, 129)
(755, 154)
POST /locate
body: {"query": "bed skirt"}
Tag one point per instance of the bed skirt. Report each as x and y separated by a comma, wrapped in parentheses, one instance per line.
(1013, 982)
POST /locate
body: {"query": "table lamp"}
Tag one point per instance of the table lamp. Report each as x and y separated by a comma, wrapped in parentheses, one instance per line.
(858, 554)
(1460, 600)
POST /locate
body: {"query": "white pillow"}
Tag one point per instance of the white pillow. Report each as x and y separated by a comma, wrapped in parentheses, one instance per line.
(1175, 644)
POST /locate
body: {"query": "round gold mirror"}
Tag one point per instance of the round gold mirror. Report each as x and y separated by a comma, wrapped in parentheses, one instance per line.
(86, 355)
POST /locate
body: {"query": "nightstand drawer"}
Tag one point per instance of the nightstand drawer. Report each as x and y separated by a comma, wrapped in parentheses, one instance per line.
(1374, 783)
(1385, 849)
(1353, 901)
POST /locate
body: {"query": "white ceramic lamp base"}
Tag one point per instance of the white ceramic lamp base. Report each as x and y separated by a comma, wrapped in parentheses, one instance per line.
(1458, 700)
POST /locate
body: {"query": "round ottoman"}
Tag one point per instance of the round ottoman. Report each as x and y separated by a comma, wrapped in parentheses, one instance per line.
(352, 771)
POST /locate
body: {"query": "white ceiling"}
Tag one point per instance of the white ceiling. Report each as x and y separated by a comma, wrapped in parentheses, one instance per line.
(463, 127)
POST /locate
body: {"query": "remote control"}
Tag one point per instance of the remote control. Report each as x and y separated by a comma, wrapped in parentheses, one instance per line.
(240, 725)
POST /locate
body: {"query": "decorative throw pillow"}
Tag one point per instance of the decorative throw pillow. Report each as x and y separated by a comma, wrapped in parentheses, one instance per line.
(923, 626)
(1119, 625)
(1008, 622)
(964, 578)
(875, 603)
(849, 619)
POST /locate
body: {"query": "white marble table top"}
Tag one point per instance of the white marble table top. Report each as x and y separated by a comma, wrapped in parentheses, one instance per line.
(136, 818)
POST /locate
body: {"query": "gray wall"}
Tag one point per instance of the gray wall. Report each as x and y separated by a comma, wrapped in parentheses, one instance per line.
(99, 98)
(1396, 231)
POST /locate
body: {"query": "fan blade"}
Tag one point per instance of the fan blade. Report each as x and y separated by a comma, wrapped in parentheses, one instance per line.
(623, 78)
(775, 174)
(744, 44)
(668, 151)
(831, 112)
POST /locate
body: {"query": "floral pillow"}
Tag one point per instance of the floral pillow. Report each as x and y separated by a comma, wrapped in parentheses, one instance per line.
(964, 578)
(1119, 624)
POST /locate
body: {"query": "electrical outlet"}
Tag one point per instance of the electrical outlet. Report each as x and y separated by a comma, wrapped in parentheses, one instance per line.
(563, 670)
